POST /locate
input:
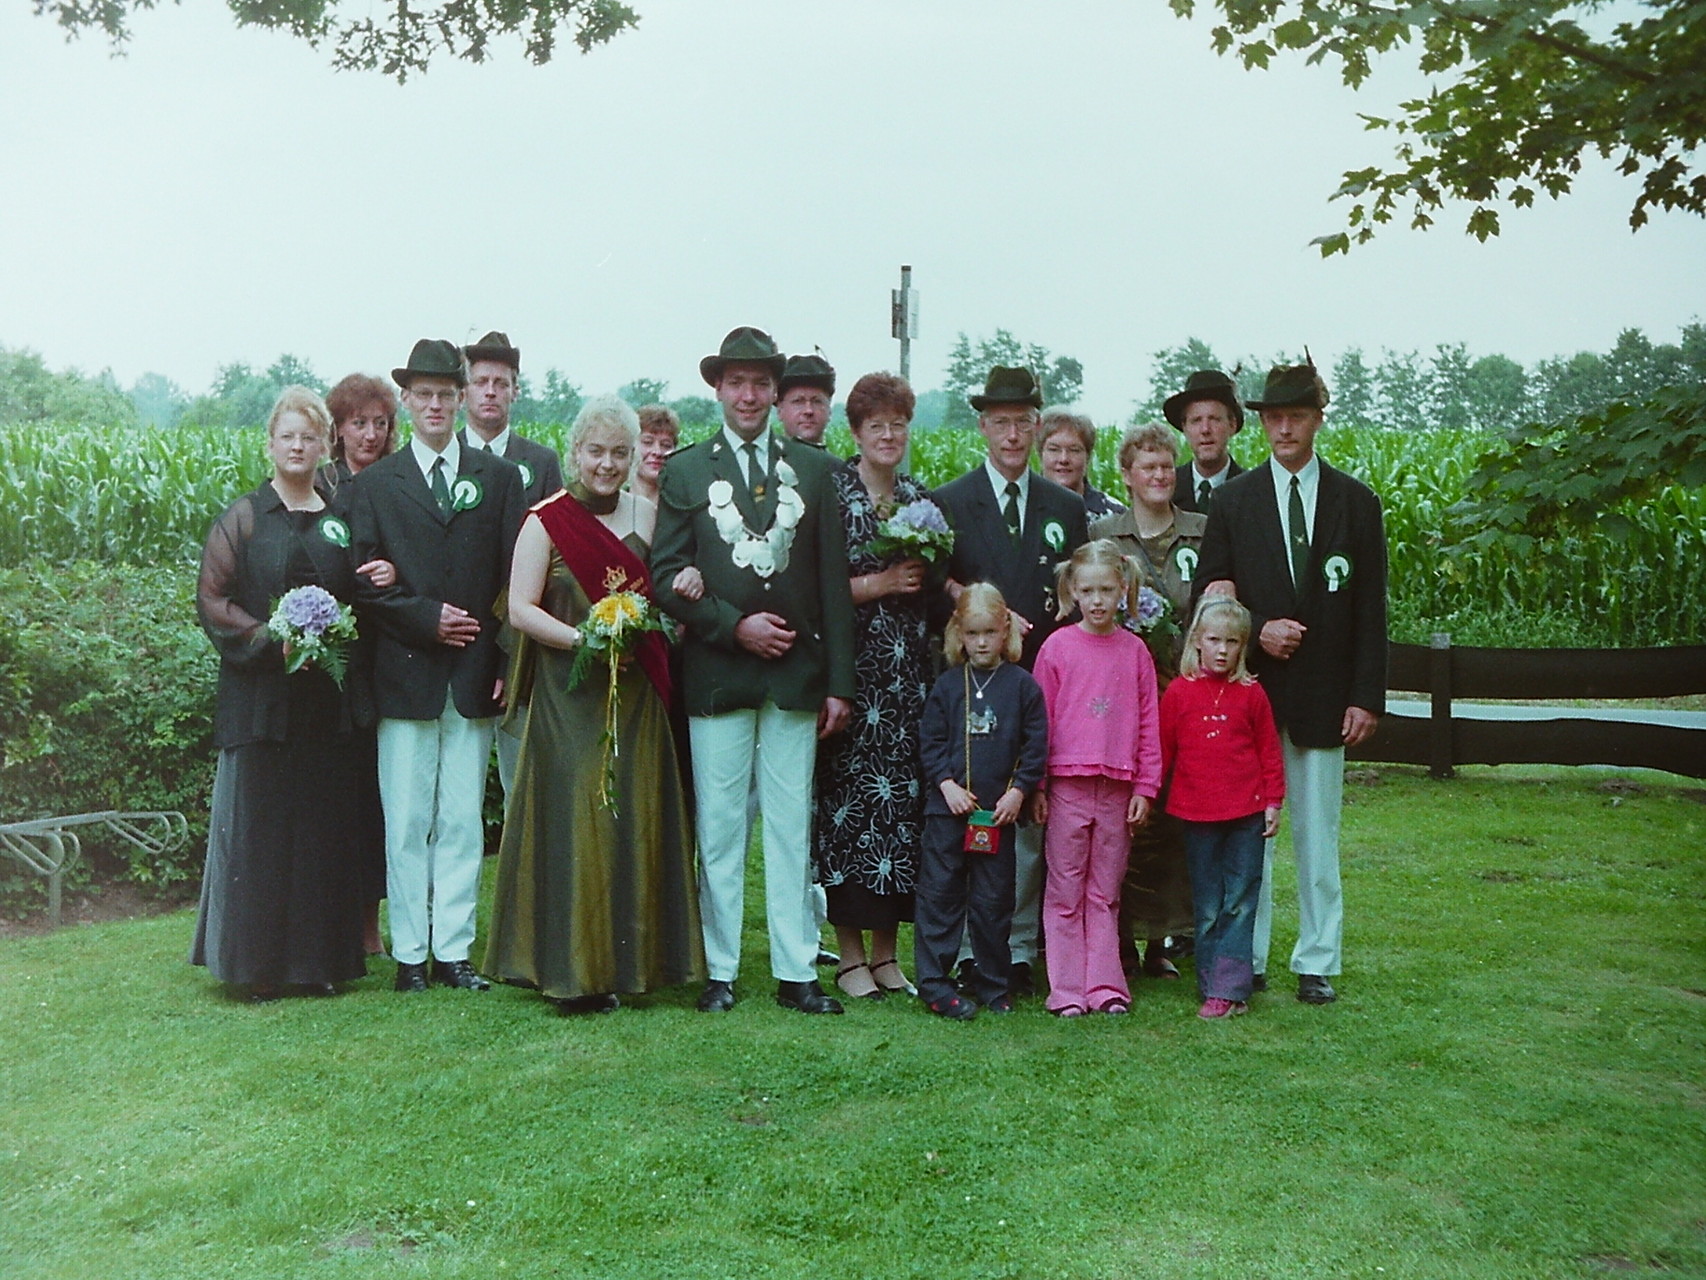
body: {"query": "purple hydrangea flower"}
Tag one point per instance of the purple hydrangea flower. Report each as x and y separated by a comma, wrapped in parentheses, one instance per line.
(1150, 606)
(309, 609)
(924, 515)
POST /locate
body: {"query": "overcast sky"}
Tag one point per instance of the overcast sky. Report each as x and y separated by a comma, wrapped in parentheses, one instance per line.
(1086, 173)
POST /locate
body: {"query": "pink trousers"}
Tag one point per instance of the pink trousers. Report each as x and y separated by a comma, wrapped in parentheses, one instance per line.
(1087, 847)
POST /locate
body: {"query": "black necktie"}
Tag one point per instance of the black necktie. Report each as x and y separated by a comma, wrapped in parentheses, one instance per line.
(1299, 537)
(440, 490)
(1010, 509)
(1205, 495)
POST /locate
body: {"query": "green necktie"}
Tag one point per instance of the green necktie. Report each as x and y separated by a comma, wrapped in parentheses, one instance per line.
(1299, 538)
(754, 472)
(1010, 509)
(440, 490)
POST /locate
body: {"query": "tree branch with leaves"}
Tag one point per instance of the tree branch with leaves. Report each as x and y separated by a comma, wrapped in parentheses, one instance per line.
(396, 38)
(1522, 93)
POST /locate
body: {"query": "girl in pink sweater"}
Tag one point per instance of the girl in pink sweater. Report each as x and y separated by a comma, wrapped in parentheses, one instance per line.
(1227, 783)
(1104, 768)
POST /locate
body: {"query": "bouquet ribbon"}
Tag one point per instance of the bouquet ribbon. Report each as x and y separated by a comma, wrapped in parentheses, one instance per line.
(591, 551)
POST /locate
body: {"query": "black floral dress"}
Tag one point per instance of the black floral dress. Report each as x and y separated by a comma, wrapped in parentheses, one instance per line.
(869, 802)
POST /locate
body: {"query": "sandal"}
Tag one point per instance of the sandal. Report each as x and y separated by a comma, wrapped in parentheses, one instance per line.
(902, 985)
(876, 990)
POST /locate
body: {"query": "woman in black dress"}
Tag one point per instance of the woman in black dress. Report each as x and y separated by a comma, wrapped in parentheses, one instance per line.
(280, 898)
(869, 804)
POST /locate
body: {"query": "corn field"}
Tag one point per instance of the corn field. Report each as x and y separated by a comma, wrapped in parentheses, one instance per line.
(138, 496)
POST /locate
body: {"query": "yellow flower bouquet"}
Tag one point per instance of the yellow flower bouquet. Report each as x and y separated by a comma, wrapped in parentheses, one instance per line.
(609, 634)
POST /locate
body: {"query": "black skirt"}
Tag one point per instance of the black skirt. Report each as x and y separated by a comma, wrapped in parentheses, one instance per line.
(288, 861)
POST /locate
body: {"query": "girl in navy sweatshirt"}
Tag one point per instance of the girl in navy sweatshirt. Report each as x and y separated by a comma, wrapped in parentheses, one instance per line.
(984, 745)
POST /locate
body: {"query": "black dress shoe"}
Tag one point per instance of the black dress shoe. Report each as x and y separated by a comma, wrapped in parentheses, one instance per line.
(1021, 983)
(588, 1004)
(1312, 988)
(807, 997)
(826, 956)
(458, 973)
(411, 977)
(1001, 1004)
(717, 997)
(1259, 982)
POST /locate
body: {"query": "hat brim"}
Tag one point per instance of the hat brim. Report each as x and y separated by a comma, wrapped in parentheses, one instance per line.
(403, 377)
(980, 403)
(825, 385)
(1173, 408)
(711, 367)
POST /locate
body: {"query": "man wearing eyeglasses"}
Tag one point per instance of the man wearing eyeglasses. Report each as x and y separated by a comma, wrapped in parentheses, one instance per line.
(803, 395)
(446, 516)
(1012, 527)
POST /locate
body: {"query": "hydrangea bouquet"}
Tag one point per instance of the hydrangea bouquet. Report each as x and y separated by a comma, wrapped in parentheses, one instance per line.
(917, 530)
(1153, 618)
(608, 634)
(315, 628)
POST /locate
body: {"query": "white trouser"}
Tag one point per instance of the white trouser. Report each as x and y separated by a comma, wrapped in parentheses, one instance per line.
(1314, 794)
(432, 783)
(782, 746)
(817, 902)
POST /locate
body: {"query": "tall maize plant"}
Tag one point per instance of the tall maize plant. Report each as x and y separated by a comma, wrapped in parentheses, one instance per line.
(138, 496)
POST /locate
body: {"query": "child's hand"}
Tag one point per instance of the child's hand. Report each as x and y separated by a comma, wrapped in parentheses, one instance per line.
(689, 584)
(1136, 812)
(1008, 808)
(960, 801)
(1270, 821)
(1039, 806)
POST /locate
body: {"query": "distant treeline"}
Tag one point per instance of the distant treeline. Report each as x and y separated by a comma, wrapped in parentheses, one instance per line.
(1450, 387)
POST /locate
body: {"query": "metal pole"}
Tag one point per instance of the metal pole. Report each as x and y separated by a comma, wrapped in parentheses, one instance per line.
(905, 323)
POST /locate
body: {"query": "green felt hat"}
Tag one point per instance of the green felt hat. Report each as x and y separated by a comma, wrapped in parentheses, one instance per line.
(1008, 386)
(744, 345)
(807, 371)
(433, 358)
(494, 346)
(1292, 386)
(1204, 384)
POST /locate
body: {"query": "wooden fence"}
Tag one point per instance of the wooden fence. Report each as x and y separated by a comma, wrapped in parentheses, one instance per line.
(1442, 740)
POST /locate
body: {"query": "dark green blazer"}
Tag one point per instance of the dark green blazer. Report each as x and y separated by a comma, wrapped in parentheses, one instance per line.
(812, 592)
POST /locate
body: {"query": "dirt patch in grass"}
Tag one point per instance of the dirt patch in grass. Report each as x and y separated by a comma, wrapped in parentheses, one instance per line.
(98, 904)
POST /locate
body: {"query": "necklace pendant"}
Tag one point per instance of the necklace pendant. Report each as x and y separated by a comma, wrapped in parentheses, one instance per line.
(979, 695)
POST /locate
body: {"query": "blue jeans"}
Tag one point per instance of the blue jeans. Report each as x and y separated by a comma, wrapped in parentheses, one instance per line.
(1225, 859)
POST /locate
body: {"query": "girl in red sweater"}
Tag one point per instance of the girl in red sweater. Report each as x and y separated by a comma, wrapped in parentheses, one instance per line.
(1222, 754)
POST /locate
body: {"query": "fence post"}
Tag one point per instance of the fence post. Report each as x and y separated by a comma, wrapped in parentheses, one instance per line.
(1439, 715)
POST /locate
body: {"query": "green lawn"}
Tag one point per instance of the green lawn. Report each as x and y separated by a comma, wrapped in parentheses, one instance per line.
(1513, 1083)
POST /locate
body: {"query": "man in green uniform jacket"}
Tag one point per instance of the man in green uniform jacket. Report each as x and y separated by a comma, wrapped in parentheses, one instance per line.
(767, 658)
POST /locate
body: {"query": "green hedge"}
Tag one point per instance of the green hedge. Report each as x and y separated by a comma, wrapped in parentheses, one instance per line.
(106, 702)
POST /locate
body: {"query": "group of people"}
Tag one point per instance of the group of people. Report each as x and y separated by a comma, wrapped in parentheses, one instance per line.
(1066, 735)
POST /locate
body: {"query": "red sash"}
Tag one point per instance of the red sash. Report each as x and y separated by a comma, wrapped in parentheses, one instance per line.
(601, 564)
